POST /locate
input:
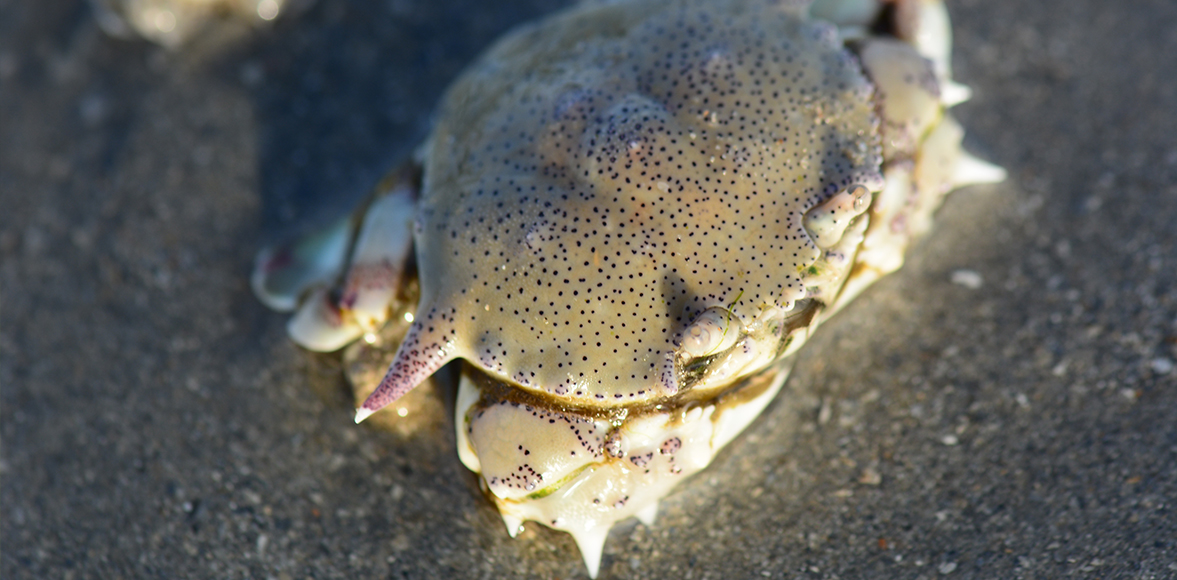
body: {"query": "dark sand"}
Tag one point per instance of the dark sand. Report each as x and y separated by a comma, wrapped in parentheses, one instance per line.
(156, 422)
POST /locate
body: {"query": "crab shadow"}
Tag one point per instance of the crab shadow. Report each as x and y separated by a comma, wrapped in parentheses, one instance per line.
(345, 91)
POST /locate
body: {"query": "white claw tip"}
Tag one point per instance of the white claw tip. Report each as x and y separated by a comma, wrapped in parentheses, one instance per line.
(362, 414)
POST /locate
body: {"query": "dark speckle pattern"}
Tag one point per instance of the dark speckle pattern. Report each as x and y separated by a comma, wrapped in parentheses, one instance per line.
(524, 448)
(591, 189)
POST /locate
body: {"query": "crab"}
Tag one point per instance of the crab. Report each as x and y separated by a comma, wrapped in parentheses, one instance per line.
(627, 219)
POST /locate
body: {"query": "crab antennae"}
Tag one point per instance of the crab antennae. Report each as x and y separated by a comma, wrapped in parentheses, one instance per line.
(427, 347)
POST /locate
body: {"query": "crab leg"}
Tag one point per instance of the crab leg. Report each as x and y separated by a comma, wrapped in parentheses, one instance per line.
(283, 274)
(339, 309)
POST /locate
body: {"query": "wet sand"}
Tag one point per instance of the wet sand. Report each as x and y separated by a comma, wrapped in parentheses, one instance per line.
(156, 423)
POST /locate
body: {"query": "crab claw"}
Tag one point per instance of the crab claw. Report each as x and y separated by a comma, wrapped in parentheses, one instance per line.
(427, 347)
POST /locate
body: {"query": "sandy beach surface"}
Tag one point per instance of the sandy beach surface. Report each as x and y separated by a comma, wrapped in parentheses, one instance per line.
(1003, 407)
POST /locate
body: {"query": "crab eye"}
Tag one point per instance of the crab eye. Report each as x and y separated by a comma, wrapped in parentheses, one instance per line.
(827, 221)
(714, 330)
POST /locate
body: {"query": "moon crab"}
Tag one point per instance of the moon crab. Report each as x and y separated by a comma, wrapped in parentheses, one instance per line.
(627, 218)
